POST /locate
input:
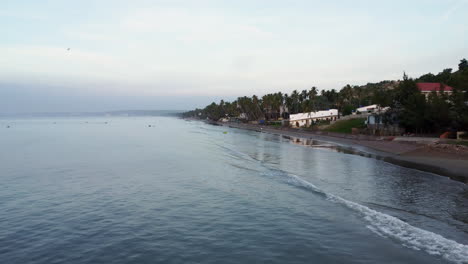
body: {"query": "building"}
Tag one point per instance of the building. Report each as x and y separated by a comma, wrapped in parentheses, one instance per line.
(374, 120)
(372, 109)
(367, 109)
(428, 88)
(376, 125)
(307, 119)
(376, 116)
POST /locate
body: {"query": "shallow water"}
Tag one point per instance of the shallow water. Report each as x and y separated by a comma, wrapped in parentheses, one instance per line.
(114, 190)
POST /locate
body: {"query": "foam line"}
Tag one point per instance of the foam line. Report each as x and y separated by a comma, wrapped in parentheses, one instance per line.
(382, 224)
(391, 227)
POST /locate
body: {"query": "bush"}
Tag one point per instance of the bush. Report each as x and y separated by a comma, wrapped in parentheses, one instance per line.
(345, 126)
(347, 110)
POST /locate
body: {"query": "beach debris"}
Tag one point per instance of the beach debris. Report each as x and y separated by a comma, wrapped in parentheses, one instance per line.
(451, 148)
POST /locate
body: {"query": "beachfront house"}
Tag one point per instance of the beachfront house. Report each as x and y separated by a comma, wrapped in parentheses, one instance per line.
(382, 123)
(370, 109)
(374, 120)
(367, 109)
(376, 116)
(307, 119)
(428, 88)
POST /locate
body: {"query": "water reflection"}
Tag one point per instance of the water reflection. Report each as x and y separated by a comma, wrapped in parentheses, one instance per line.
(337, 148)
(426, 200)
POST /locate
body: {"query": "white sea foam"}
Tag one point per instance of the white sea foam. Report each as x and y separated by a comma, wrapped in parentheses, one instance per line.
(382, 224)
(394, 228)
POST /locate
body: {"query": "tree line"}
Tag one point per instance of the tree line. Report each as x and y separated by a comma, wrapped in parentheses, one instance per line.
(409, 107)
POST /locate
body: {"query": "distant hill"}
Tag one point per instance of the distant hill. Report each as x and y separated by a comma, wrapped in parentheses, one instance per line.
(144, 113)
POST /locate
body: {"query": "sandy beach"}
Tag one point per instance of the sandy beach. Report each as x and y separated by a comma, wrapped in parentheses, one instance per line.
(426, 156)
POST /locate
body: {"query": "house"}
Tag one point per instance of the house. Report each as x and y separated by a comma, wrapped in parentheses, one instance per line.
(374, 120)
(371, 110)
(376, 125)
(367, 109)
(307, 119)
(428, 88)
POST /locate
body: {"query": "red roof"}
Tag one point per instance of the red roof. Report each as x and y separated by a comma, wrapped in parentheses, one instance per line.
(433, 87)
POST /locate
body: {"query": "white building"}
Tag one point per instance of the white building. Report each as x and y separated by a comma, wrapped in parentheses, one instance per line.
(306, 119)
(376, 125)
(367, 109)
(372, 109)
(374, 120)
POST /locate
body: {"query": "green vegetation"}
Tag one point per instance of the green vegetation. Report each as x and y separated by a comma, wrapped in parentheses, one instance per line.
(275, 124)
(345, 126)
(409, 108)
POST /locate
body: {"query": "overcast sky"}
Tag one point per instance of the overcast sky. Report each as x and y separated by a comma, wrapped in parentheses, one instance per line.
(176, 54)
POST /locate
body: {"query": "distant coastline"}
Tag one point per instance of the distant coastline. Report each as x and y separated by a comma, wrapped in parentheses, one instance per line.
(115, 113)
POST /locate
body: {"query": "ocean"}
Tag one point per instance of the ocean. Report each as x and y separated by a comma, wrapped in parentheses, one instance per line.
(167, 190)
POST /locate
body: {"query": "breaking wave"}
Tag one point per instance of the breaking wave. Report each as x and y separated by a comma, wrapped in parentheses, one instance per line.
(394, 228)
(382, 224)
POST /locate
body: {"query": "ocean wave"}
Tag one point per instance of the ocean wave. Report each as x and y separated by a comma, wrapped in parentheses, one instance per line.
(391, 227)
(382, 224)
(235, 153)
(243, 167)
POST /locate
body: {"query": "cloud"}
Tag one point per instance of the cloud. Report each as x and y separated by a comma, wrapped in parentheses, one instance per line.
(192, 26)
(207, 48)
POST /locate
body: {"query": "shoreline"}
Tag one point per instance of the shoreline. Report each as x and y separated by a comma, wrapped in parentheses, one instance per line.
(406, 154)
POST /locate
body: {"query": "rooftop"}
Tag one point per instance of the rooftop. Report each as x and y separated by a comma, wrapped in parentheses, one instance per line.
(433, 87)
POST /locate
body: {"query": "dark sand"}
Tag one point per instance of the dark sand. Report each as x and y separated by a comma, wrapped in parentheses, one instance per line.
(421, 156)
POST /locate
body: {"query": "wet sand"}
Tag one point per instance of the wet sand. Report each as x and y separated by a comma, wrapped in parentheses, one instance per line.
(420, 156)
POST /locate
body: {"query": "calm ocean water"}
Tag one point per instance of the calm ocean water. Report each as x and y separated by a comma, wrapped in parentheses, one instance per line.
(115, 190)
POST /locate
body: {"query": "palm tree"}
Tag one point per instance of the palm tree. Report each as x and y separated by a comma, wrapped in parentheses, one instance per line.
(312, 94)
(267, 105)
(295, 102)
(277, 103)
(287, 105)
(258, 113)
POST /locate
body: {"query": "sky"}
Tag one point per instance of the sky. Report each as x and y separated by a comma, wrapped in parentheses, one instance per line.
(99, 55)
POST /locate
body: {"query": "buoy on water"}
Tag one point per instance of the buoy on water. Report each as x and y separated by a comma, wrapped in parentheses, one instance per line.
(225, 132)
